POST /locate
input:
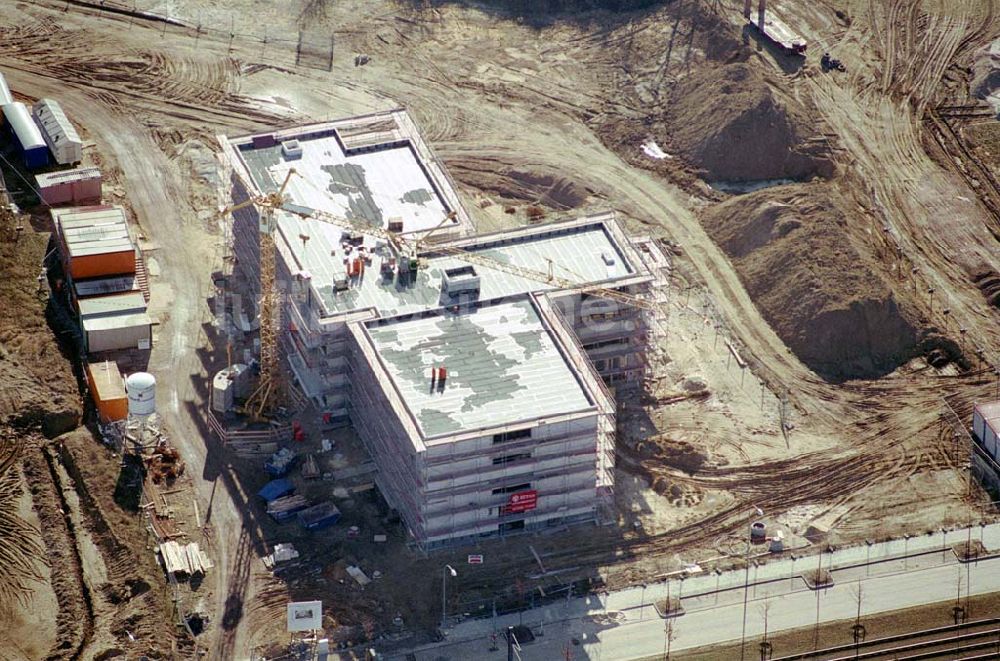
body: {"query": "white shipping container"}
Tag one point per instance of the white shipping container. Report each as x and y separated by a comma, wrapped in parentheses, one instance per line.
(59, 133)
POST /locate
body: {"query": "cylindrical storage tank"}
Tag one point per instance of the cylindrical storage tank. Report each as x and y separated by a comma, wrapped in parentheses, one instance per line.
(141, 390)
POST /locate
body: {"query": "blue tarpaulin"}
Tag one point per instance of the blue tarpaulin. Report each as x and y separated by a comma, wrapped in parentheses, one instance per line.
(276, 489)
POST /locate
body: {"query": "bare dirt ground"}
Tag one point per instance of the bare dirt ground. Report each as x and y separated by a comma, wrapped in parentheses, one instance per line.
(552, 112)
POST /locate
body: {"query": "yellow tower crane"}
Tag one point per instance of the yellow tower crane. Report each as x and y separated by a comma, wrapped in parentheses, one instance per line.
(270, 391)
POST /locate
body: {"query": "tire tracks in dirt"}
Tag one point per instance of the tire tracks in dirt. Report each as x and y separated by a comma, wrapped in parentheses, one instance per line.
(75, 620)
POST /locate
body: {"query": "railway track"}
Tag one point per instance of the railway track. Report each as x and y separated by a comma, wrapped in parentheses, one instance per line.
(970, 640)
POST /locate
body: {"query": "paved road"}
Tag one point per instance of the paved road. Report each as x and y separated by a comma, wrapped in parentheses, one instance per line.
(619, 627)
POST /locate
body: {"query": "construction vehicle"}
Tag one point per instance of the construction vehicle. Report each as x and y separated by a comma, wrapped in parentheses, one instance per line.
(774, 29)
(831, 64)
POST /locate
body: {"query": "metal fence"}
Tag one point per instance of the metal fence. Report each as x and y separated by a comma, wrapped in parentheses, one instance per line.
(311, 48)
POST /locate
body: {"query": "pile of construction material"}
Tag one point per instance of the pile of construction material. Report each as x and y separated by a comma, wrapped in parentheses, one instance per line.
(281, 553)
(310, 469)
(285, 508)
(184, 560)
(280, 462)
(165, 464)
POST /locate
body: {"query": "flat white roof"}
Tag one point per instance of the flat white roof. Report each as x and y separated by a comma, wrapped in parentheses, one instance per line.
(369, 170)
(65, 176)
(990, 412)
(113, 305)
(503, 366)
(116, 322)
(584, 250)
(93, 230)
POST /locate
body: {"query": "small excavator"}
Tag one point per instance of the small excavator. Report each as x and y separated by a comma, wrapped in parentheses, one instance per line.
(831, 64)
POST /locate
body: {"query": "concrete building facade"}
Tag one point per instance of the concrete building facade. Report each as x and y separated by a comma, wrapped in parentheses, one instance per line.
(479, 388)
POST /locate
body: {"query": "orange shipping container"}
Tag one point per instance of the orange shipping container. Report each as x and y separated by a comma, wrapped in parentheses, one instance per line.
(95, 241)
(107, 388)
(112, 263)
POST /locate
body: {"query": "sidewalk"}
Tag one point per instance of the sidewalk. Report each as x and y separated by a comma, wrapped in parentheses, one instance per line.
(625, 625)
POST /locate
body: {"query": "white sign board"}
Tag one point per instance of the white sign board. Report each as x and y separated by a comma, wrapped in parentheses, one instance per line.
(305, 616)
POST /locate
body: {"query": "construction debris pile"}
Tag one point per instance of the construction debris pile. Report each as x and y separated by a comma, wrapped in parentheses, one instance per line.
(165, 464)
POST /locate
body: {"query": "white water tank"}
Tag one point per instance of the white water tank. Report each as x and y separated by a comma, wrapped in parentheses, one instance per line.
(141, 390)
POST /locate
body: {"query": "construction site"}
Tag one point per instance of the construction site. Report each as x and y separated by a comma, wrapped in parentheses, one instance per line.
(426, 312)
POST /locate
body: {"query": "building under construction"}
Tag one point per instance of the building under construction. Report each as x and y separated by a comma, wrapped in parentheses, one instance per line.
(474, 368)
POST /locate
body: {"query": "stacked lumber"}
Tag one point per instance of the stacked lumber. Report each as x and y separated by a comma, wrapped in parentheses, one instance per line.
(184, 559)
(310, 469)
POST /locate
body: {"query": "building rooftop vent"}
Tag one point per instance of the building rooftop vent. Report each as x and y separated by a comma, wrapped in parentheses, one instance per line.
(462, 280)
(291, 149)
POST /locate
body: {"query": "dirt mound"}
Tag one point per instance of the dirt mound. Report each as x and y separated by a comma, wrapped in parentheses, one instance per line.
(40, 388)
(728, 122)
(822, 297)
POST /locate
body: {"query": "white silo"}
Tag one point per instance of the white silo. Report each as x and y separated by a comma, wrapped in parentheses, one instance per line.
(141, 390)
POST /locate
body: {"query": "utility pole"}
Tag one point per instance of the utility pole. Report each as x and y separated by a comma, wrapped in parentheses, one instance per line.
(444, 592)
(746, 581)
(858, 630)
(766, 648)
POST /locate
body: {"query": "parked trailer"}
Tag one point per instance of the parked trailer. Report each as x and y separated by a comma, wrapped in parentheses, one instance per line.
(79, 186)
(26, 134)
(774, 29)
(986, 427)
(319, 516)
(59, 133)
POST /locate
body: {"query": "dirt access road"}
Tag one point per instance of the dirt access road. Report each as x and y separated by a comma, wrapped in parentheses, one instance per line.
(123, 120)
(504, 105)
